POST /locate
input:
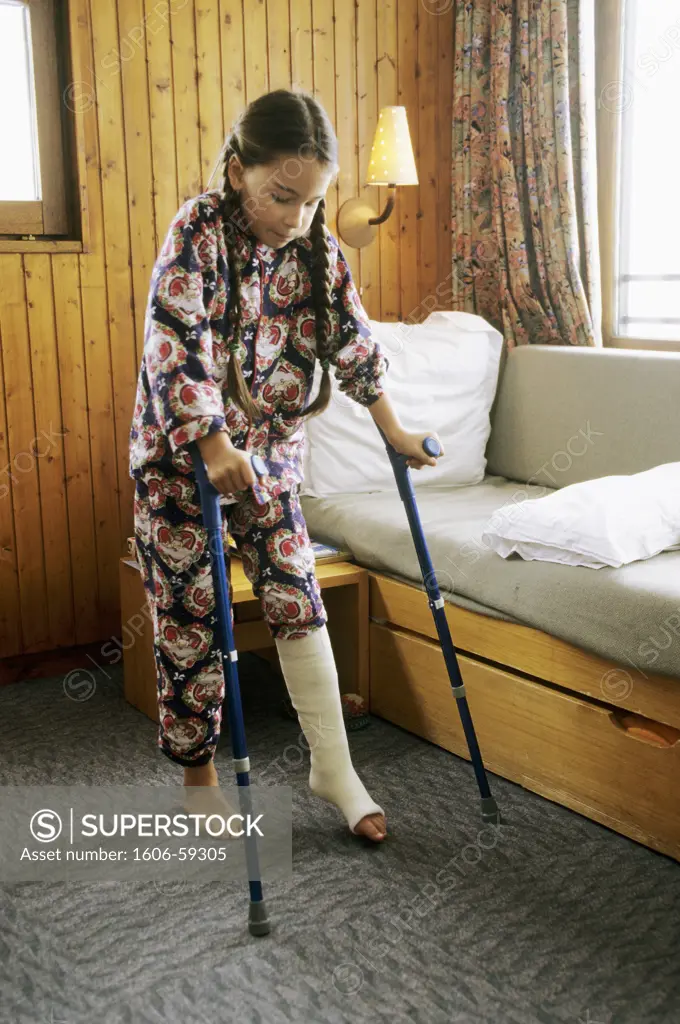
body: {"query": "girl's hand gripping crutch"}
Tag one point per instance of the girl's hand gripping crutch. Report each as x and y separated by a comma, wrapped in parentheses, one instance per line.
(490, 812)
(258, 922)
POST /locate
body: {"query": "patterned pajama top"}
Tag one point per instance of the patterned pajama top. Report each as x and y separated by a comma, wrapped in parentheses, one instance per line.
(181, 391)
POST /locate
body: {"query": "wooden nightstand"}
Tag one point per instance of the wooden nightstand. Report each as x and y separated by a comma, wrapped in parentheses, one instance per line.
(345, 594)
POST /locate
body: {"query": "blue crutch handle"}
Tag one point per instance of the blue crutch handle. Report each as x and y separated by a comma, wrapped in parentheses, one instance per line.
(399, 462)
(431, 447)
(206, 488)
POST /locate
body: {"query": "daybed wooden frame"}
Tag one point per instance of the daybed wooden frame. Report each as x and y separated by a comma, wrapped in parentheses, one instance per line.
(597, 737)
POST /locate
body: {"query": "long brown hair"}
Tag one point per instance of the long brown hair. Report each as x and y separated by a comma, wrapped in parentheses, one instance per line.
(277, 124)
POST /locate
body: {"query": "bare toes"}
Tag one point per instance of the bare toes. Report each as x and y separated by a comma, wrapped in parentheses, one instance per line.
(372, 826)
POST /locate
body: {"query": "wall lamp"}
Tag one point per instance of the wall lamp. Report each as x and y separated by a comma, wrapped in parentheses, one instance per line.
(391, 164)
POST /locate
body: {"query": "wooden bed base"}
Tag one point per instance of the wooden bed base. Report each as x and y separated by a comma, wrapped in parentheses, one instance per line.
(599, 738)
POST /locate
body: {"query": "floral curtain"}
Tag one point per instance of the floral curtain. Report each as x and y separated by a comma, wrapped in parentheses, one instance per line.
(524, 185)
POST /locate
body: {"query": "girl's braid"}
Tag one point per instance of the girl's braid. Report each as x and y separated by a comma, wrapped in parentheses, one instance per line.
(322, 299)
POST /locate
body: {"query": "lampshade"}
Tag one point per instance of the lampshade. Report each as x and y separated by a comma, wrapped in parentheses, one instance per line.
(392, 161)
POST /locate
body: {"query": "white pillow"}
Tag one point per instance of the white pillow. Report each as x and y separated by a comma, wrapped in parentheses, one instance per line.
(606, 522)
(442, 377)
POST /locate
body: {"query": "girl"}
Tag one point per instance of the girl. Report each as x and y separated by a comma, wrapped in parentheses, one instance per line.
(249, 290)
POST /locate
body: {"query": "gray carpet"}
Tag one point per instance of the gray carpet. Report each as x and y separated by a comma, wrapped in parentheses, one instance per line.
(554, 919)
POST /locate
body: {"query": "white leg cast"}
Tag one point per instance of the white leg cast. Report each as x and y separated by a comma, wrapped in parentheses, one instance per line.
(311, 678)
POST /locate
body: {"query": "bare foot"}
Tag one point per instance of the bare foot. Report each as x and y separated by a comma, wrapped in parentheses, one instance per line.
(373, 826)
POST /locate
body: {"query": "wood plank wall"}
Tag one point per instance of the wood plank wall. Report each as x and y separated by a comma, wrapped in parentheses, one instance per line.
(166, 79)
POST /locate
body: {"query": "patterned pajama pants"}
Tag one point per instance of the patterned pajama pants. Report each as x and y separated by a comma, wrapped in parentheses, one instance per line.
(172, 546)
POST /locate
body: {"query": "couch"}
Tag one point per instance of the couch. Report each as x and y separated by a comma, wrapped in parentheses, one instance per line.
(573, 674)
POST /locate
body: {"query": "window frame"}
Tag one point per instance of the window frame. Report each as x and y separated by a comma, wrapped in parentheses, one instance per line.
(55, 220)
(610, 64)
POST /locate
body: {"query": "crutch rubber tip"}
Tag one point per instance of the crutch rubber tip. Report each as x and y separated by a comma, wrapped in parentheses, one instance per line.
(258, 921)
(490, 813)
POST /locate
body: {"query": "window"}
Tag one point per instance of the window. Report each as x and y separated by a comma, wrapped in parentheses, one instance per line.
(638, 47)
(649, 226)
(36, 177)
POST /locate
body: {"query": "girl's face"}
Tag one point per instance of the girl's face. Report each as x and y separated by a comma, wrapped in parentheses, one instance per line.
(280, 198)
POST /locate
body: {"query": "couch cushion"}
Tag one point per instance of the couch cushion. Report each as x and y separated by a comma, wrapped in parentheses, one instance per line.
(629, 615)
(564, 414)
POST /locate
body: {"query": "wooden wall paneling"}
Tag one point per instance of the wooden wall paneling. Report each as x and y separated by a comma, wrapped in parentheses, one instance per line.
(389, 236)
(233, 61)
(209, 79)
(132, 30)
(409, 195)
(427, 121)
(346, 115)
(115, 194)
(255, 45)
(35, 630)
(323, 36)
(445, 40)
(164, 186)
(94, 286)
(367, 119)
(48, 449)
(10, 619)
(77, 463)
(185, 95)
(278, 44)
(301, 60)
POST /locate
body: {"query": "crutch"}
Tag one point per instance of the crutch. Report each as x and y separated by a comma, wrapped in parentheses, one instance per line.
(490, 812)
(258, 922)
